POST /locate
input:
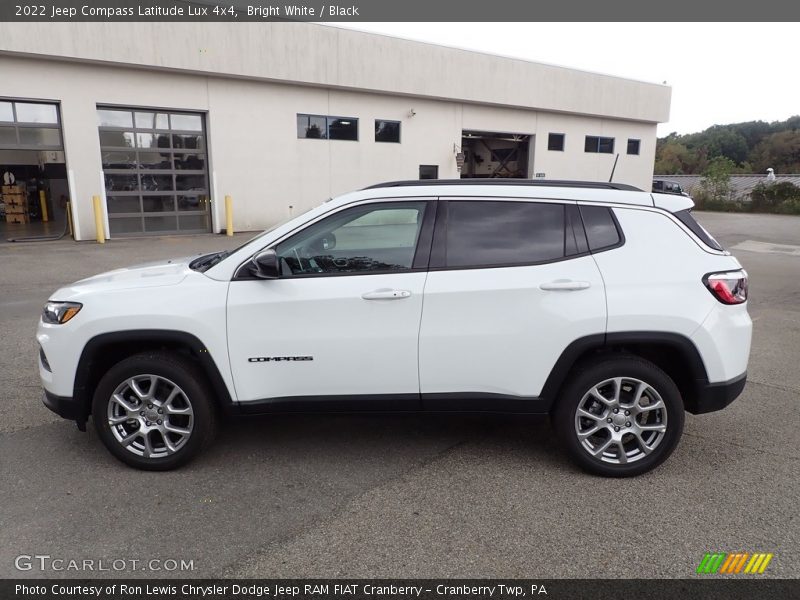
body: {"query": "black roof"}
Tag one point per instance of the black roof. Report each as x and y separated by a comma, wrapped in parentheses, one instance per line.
(600, 185)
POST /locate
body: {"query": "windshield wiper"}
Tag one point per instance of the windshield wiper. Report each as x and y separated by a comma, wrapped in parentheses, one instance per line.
(209, 260)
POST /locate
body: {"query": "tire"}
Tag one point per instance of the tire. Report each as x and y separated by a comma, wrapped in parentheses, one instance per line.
(154, 428)
(635, 439)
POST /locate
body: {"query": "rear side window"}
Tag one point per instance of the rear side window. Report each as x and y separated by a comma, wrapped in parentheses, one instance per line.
(491, 233)
(601, 228)
(686, 217)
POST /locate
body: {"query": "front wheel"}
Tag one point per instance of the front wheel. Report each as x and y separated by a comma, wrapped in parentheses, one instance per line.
(620, 417)
(153, 411)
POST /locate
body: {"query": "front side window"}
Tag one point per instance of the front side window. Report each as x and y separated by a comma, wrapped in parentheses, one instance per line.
(364, 239)
(492, 233)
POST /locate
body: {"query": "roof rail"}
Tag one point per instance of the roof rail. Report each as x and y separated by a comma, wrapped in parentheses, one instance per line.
(602, 185)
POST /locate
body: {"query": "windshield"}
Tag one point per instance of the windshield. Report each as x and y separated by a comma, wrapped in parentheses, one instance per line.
(207, 261)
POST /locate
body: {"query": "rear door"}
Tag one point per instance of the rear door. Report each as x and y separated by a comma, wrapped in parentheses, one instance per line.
(511, 285)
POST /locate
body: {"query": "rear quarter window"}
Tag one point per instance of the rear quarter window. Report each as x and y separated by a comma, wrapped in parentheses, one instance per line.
(602, 231)
(686, 217)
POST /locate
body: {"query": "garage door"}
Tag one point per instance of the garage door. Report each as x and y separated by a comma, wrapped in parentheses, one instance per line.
(156, 171)
(28, 125)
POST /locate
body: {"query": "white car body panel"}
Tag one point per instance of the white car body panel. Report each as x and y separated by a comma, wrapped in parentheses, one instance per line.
(654, 282)
(495, 331)
(172, 297)
(358, 346)
(672, 202)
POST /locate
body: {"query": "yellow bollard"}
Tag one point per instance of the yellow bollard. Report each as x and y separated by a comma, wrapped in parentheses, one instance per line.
(229, 215)
(68, 209)
(43, 203)
(98, 220)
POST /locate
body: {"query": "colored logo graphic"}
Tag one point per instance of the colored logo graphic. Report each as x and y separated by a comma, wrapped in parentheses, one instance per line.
(734, 563)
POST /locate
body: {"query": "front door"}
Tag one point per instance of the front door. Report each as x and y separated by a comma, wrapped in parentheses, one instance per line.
(340, 327)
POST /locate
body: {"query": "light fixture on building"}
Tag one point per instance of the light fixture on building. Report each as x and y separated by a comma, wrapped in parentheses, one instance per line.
(412, 112)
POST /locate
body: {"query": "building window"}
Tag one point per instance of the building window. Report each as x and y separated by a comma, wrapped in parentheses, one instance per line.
(555, 141)
(155, 169)
(32, 125)
(429, 171)
(320, 127)
(604, 145)
(387, 131)
(312, 127)
(633, 146)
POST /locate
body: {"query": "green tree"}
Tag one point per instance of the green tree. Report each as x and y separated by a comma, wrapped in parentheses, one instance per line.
(752, 146)
(715, 187)
(673, 158)
(781, 151)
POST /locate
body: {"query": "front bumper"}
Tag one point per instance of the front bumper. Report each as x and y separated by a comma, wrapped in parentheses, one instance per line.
(710, 397)
(66, 408)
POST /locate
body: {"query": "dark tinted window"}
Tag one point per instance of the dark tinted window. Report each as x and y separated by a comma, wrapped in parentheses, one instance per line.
(429, 171)
(601, 231)
(342, 128)
(594, 143)
(387, 131)
(481, 234)
(320, 127)
(633, 146)
(555, 141)
(687, 219)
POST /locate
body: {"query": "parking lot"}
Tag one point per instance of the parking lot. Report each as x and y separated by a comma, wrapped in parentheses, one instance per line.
(404, 496)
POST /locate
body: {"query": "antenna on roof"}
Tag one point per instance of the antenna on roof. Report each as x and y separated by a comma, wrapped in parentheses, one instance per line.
(614, 168)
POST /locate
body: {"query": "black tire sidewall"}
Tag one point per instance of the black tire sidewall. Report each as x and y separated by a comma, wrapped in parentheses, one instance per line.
(593, 373)
(181, 372)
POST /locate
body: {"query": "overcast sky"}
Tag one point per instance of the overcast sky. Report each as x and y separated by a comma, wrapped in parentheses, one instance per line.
(719, 72)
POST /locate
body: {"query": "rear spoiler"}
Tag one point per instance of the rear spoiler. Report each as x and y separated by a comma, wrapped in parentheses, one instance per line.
(672, 202)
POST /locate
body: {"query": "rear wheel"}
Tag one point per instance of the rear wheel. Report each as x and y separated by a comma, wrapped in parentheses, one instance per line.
(153, 411)
(620, 417)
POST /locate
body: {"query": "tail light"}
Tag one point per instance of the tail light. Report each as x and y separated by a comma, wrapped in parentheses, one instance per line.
(729, 287)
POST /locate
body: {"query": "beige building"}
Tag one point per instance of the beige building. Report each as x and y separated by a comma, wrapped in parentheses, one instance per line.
(162, 120)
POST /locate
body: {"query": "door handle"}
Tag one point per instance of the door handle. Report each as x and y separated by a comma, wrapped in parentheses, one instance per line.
(563, 285)
(386, 294)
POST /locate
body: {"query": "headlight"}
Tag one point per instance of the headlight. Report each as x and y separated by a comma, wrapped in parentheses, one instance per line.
(59, 313)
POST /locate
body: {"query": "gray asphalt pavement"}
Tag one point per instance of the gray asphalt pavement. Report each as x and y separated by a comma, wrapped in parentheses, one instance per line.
(403, 496)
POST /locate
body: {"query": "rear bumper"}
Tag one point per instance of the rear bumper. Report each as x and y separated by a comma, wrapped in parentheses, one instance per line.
(64, 407)
(711, 397)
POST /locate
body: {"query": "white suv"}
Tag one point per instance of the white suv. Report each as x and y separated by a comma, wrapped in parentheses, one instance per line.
(607, 307)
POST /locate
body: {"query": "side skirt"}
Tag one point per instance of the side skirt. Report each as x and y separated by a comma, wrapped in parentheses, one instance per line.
(467, 402)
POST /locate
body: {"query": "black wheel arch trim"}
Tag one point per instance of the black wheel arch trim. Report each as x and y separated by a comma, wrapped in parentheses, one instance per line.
(82, 394)
(608, 341)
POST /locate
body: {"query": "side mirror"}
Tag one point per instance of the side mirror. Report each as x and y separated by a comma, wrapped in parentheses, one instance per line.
(266, 265)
